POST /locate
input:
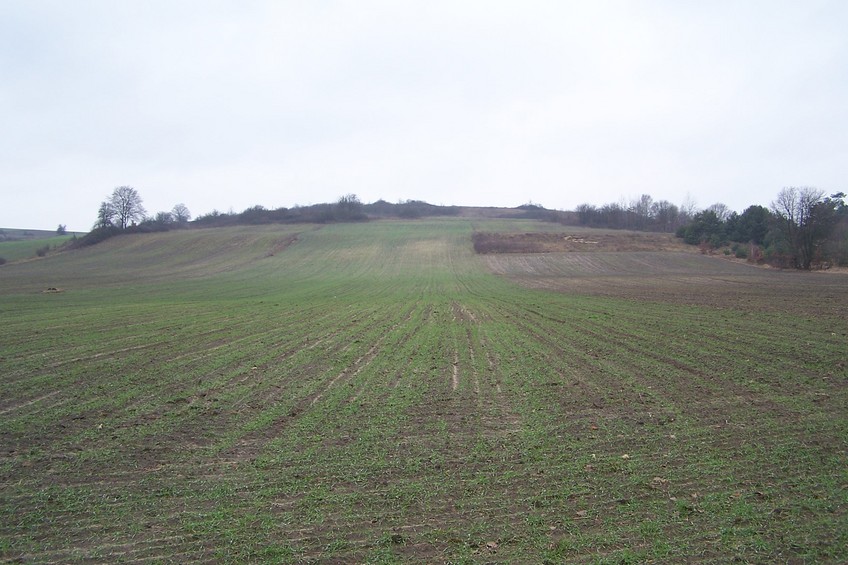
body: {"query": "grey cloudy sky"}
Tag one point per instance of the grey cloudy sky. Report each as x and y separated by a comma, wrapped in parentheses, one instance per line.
(228, 104)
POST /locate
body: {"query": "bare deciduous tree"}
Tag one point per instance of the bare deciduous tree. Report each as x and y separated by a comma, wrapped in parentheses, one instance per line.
(163, 218)
(795, 206)
(105, 215)
(688, 209)
(722, 211)
(642, 206)
(180, 213)
(349, 208)
(123, 208)
(665, 215)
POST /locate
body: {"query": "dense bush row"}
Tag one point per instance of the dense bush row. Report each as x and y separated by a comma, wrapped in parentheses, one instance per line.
(347, 209)
(642, 213)
(123, 213)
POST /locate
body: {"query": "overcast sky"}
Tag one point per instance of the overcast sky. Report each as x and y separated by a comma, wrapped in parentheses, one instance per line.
(228, 104)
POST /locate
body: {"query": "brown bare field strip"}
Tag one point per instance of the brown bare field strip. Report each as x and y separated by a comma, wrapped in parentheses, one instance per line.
(677, 278)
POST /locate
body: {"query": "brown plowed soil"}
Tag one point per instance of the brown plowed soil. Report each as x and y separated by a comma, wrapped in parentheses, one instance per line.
(582, 241)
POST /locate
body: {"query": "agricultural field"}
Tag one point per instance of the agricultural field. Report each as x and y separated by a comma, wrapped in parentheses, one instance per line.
(29, 248)
(379, 393)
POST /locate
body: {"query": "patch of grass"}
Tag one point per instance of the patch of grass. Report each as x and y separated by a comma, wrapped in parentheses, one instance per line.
(31, 248)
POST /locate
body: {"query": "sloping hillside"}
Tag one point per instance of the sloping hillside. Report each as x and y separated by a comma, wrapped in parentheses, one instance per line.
(148, 258)
(374, 393)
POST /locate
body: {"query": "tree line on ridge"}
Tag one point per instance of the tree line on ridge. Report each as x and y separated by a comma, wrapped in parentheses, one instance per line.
(802, 228)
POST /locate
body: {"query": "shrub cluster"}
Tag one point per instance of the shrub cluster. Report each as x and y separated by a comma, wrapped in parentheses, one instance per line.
(803, 229)
(347, 209)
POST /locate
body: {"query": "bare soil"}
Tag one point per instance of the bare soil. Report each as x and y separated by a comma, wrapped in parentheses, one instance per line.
(657, 268)
(582, 241)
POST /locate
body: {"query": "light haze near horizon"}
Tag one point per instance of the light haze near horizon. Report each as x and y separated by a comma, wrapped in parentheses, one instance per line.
(223, 105)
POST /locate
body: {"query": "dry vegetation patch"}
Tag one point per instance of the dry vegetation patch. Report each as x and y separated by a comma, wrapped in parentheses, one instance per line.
(282, 244)
(545, 242)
